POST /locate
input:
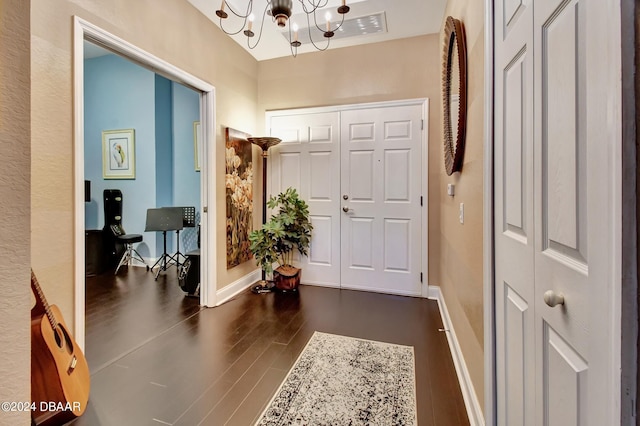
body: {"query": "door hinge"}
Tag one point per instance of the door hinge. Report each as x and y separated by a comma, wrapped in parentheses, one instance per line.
(420, 276)
(422, 125)
(421, 200)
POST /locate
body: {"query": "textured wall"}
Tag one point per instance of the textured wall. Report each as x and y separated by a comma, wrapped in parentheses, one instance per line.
(176, 33)
(460, 245)
(398, 69)
(15, 151)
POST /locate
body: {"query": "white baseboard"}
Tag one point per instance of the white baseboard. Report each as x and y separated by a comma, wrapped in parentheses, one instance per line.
(433, 293)
(474, 410)
(239, 285)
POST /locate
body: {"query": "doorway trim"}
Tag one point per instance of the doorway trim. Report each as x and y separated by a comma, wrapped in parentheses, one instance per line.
(84, 30)
(488, 235)
(424, 189)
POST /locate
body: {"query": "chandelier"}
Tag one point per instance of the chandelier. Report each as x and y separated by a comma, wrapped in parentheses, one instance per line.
(280, 12)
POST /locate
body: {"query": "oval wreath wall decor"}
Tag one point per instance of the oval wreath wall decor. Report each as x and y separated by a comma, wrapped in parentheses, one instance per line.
(454, 94)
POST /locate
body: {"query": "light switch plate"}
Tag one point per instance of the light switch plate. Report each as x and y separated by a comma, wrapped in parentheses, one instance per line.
(451, 189)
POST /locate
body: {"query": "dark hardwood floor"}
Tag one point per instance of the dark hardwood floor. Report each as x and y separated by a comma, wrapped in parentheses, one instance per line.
(157, 358)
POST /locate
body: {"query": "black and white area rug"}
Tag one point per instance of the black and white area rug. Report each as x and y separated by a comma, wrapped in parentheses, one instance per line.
(340, 380)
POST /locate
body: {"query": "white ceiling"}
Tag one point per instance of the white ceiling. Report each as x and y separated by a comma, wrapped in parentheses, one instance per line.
(404, 18)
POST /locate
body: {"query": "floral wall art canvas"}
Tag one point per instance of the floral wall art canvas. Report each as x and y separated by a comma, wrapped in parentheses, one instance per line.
(239, 190)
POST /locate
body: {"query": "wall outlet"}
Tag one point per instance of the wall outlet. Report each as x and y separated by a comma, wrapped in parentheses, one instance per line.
(461, 212)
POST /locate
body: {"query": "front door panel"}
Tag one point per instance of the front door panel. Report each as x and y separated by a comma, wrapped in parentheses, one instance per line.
(308, 159)
(381, 172)
(369, 162)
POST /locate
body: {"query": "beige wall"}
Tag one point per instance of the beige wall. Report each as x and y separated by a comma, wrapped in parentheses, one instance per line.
(393, 70)
(14, 209)
(176, 33)
(459, 246)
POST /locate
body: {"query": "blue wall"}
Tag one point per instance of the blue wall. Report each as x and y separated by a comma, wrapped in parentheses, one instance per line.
(186, 181)
(164, 148)
(164, 153)
(122, 95)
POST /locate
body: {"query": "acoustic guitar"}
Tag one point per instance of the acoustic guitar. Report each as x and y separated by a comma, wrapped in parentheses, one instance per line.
(59, 372)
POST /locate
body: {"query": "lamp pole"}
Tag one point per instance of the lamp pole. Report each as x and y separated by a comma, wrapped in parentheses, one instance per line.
(264, 143)
(265, 154)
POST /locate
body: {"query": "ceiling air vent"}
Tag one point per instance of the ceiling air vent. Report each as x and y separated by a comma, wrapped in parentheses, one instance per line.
(363, 25)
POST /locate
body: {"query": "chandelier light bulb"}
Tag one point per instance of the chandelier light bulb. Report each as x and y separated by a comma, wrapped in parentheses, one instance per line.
(328, 18)
(295, 32)
(251, 19)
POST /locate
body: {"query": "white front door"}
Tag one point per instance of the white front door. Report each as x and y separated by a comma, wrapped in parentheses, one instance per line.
(308, 159)
(381, 176)
(557, 141)
(368, 161)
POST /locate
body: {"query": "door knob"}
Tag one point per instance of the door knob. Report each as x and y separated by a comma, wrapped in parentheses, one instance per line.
(345, 209)
(552, 299)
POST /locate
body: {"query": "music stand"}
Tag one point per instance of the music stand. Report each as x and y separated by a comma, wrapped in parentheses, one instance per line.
(162, 220)
(188, 221)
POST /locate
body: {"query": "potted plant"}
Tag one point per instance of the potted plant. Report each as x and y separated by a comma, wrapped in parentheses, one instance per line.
(275, 242)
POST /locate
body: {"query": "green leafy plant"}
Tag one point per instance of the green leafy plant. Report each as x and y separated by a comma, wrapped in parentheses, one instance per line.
(287, 230)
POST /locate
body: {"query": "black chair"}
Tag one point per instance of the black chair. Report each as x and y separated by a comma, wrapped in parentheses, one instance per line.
(118, 243)
(128, 240)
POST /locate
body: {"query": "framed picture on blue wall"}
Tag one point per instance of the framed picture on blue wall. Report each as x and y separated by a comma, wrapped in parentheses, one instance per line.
(118, 154)
(197, 144)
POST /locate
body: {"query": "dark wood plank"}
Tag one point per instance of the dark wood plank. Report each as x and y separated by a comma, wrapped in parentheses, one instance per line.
(126, 310)
(256, 401)
(223, 365)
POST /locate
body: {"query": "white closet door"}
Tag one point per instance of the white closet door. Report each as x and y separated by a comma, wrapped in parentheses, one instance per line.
(557, 162)
(513, 210)
(308, 159)
(381, 189)
(577, 91)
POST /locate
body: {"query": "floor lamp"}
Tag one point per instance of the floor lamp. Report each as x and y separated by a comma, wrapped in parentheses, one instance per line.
(264, 143)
